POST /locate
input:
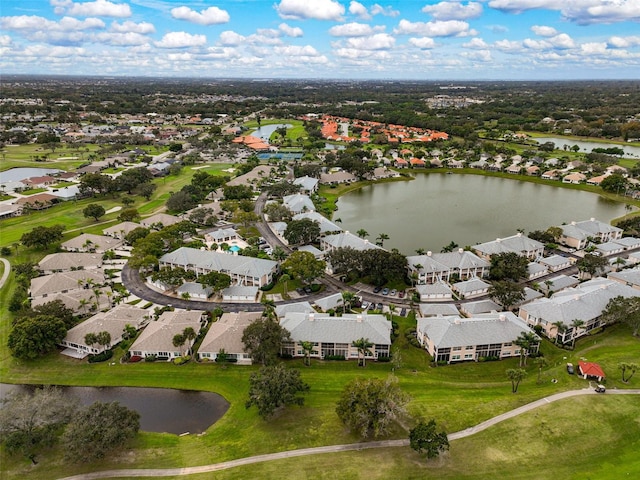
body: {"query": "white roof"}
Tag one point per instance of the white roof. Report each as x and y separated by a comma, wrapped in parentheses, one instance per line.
(346, 239)
(314, 327)
(101, 243)
(220, 262)
(327, 303)
(300, 307)
(71, 280)
(433, 309)
(298, 203)
(227, 331)
(193, 288)
(326, 225)
(584, 302)
(481, 306)
(163, 218)
(471, 285)
(307, 183)
(438, 288)
(518, 243)
(124, 227)
(158, 335)
(69, 260)
(482, 329)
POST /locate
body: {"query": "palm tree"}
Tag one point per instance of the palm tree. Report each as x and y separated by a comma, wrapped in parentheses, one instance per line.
(526, 340)
(576, 324)
(279, 254)
(381, 238)
(104, 339)
(90, 339)
(560, 329)
(186, 295)
(347, 299)
(362, 233)
(420, 251)
(516, 375)
(178, 341)
(189, 335)
(307, 349)
(363, 345)
(129, 332)
(284, 280)
(83, 304)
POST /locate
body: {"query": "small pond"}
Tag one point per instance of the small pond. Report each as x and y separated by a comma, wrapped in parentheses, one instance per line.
(17, 174)
(160, 409)
(265, 131)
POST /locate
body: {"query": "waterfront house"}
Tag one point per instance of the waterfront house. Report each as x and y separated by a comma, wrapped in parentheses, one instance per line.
(519, 243)
(226, 334)
(579, 234)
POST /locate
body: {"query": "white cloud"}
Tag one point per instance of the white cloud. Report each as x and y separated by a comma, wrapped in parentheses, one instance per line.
(562, 41)
(582, 12)
(5, 40)
(497, 28)
(306, 9)
(379, 41)
(57, 52)
(127, 39)
(593, 48)
(353, 29)
(544, 31)
(508, 45)
(231, 38)
(210, 16)
(449, 28)
(31, 24)
(384, 11)
(423, 42)
(453, 10)
(132, 27)
(479, 55)
(359, 10)
(624, 42)
(290, 31)
(476, 43)
(181, 40)
(99, 8)
(536, 44)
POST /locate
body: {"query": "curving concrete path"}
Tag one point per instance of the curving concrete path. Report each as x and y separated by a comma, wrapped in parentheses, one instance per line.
(7, 271)
(173, 472)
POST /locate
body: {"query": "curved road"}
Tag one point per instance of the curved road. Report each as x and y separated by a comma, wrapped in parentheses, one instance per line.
(172, 472)
(7, 271)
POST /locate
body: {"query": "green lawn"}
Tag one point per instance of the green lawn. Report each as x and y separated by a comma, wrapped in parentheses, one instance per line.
(62, 157)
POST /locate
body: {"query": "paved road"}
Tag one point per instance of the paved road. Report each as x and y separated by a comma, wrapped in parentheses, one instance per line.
(7, 270)
(174, 472)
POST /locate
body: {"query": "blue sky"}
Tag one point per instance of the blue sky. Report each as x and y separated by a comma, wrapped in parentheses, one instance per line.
(325, 39)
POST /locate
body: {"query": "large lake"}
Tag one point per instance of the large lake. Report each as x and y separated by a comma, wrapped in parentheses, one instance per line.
(435, 209)
(17, 174)
(586, 146)
(264, 132)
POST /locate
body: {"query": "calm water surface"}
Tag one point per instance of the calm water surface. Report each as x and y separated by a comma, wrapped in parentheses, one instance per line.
(21, 173)
(435, 209)
(265, 131)
(160, 409)
(585, 146)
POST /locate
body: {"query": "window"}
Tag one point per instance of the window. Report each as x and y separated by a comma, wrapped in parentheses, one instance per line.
(469, 347)
(507, 344)
(455, 357)
(457, 349)
(468, 355)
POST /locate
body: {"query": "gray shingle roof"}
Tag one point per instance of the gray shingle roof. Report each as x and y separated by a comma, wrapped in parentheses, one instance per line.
(300, 307)
(298, 203)
(433, 309)
(69, 260)
(446, 332)
(346, 239)
(626, 276)
(227, 333)
(326, 225)
(158, 336)
(220, 262)
(56, 282)
(471, 285)
(327, 303)
(481, 306)
(584, 302)
(346, 329)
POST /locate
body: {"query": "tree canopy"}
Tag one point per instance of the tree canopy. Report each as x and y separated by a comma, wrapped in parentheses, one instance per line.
(42, 237)
(508, 266)
(36, 335)
(425, 438)
(275, 387)
(263, 340)
(301, 232)
(304, 265)
(93, 210)
(98, 429)
(369, 406)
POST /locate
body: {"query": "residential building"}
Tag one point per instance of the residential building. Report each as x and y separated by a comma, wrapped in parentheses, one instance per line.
(434, 267)
(326, 225)
(88, 242)
(471, 309)
(298, 203)
(630, 277)
(121, 230)
(157, 338)
(337, 178)
(343, 240)
(435, 292)
(474, 287)
(65, 261)
(555, 262)
(299, 307)
(333, 336)
(240, 293)
(113, 321)
(221, 235)
(438, 309)
(226, 334)
(454, 339)
(585, 302)
(330, 302)
(307, 184)
(519, 243)
(194, 291)
(247, 271)
(159, 220)
(579, 234)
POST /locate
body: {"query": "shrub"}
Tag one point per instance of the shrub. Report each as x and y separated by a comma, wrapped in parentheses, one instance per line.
(384, 359)
(181, 360)
(334, 357)
(151, 358)
(101, 357)
(136, 358)
(267, 287)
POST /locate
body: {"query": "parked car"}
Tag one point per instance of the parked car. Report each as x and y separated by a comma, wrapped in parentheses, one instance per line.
(393, 292)
(385, 291)
(379, 306)
(601, 389)
(401, 294)
(365, 305)
(377, 289)
(403, 312)
(570, 369)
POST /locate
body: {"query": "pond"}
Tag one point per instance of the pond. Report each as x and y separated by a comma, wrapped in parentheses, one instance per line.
(435, 209)
(586, 146)
(17, 174)
(265, 131)
(160, 409)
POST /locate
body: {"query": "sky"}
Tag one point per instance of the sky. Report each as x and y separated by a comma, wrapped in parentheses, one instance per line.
(324, 39)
